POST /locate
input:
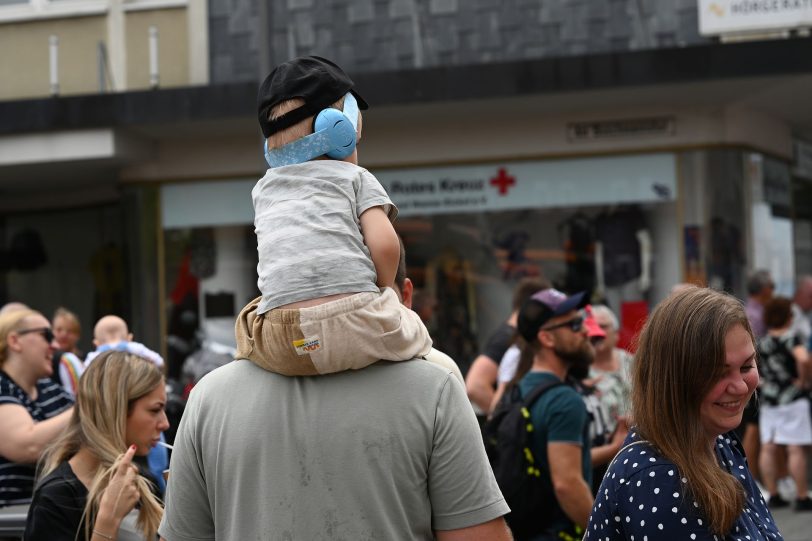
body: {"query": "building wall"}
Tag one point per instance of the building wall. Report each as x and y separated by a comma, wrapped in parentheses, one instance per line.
(373, 35)
(24, 64)
(173, 47)
(447, 133)
(122, 28)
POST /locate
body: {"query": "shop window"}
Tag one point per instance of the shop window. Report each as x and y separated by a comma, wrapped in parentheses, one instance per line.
(73, 258)
(465, 266)
(210, 275)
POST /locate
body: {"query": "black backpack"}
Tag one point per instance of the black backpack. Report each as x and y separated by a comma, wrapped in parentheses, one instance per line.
(531, 498)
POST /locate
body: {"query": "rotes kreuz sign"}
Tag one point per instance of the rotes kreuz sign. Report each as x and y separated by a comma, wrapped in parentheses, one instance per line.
(740, 16)
(531, 184)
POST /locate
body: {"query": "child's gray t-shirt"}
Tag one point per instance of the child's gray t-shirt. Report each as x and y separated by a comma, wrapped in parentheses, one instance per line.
(307, 220)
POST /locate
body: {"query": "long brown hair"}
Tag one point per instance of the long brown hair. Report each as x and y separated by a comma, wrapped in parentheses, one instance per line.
(680, 357)
(107, 391)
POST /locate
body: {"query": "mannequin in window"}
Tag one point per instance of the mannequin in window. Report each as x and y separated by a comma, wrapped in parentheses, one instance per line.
(622, 255)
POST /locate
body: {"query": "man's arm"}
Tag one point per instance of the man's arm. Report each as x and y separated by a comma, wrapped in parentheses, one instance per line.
(480, 380)
(604, 454)
(463, 492)
(571, 490)
(494, 530)
(187, 511)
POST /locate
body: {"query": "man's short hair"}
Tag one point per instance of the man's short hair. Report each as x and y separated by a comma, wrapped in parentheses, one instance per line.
(759, 280)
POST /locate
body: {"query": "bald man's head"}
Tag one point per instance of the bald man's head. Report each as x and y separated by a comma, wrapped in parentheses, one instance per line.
(110, 330)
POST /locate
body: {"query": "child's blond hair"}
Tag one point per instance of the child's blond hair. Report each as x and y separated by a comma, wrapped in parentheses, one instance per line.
(301, 128)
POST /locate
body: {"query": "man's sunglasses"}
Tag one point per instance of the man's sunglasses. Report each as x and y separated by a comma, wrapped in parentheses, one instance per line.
(575, 325)
(45, 332)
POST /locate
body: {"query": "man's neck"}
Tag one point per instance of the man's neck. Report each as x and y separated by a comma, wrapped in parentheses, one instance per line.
(547, 361)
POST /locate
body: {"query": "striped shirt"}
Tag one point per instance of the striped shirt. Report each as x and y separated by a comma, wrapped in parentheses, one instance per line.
(17, 480)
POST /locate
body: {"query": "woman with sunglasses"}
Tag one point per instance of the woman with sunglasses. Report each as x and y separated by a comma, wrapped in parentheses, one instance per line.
(33, 409)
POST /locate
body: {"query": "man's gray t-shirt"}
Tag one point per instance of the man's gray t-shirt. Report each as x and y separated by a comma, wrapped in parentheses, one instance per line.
(392, 451)
(307, 220)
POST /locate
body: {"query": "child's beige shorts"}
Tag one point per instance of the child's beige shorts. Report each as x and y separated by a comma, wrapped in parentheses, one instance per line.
(346, 334)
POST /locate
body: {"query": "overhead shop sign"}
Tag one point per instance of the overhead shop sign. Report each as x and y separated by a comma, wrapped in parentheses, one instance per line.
(646, 178)
(740, 16)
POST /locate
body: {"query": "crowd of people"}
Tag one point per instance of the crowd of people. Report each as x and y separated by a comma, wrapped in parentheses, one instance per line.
(778, 427)
(338, 419)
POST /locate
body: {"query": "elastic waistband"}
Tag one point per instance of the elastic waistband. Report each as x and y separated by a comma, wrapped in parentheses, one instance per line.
(327, 310)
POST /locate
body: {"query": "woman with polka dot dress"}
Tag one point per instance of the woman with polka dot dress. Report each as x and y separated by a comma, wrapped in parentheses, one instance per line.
(682, 473)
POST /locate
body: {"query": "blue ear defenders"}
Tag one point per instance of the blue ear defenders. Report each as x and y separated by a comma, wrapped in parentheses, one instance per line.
(334, 135)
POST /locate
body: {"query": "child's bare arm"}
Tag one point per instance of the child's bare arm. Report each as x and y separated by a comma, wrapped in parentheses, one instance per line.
(383, 244)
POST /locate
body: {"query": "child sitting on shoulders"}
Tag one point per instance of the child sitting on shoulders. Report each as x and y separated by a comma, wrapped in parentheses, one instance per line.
(327, 249)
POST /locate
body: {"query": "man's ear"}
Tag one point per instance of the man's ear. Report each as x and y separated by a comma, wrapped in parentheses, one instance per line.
(129, 337)
(546, 339)
(407, 293)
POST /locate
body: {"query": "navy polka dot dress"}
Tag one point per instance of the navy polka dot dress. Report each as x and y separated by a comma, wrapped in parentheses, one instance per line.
(642, 498)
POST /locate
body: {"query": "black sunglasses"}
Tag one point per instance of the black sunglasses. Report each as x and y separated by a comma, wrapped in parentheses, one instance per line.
(46, 333)
(575, 324)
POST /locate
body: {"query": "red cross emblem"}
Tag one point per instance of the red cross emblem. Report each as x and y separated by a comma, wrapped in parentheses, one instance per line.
(503, 181)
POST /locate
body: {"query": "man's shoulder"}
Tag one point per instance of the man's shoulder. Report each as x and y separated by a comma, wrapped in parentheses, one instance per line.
(443, 361)
(243, 374)
(558, 400)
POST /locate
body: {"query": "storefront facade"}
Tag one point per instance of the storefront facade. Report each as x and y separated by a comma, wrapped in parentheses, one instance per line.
(620, 160)
(664, 197)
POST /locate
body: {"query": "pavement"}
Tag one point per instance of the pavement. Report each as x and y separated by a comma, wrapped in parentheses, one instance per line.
(794, 526)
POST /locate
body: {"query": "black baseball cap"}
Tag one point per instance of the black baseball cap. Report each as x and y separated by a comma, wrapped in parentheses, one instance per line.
(318, 81)
(543, 306)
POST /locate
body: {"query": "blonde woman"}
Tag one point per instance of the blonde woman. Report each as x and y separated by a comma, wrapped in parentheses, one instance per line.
(682, 473)
(88, 483)
(33, 409)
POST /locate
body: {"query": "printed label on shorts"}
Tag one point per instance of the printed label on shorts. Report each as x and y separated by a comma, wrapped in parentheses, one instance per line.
(307, 345)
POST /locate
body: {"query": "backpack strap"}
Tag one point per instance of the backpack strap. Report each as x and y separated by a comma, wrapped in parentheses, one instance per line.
(539, 390)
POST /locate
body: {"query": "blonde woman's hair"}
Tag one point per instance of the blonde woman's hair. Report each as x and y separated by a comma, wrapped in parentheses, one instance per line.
(10, 322)
(302, 128)
(107, 391)
(680, 357)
